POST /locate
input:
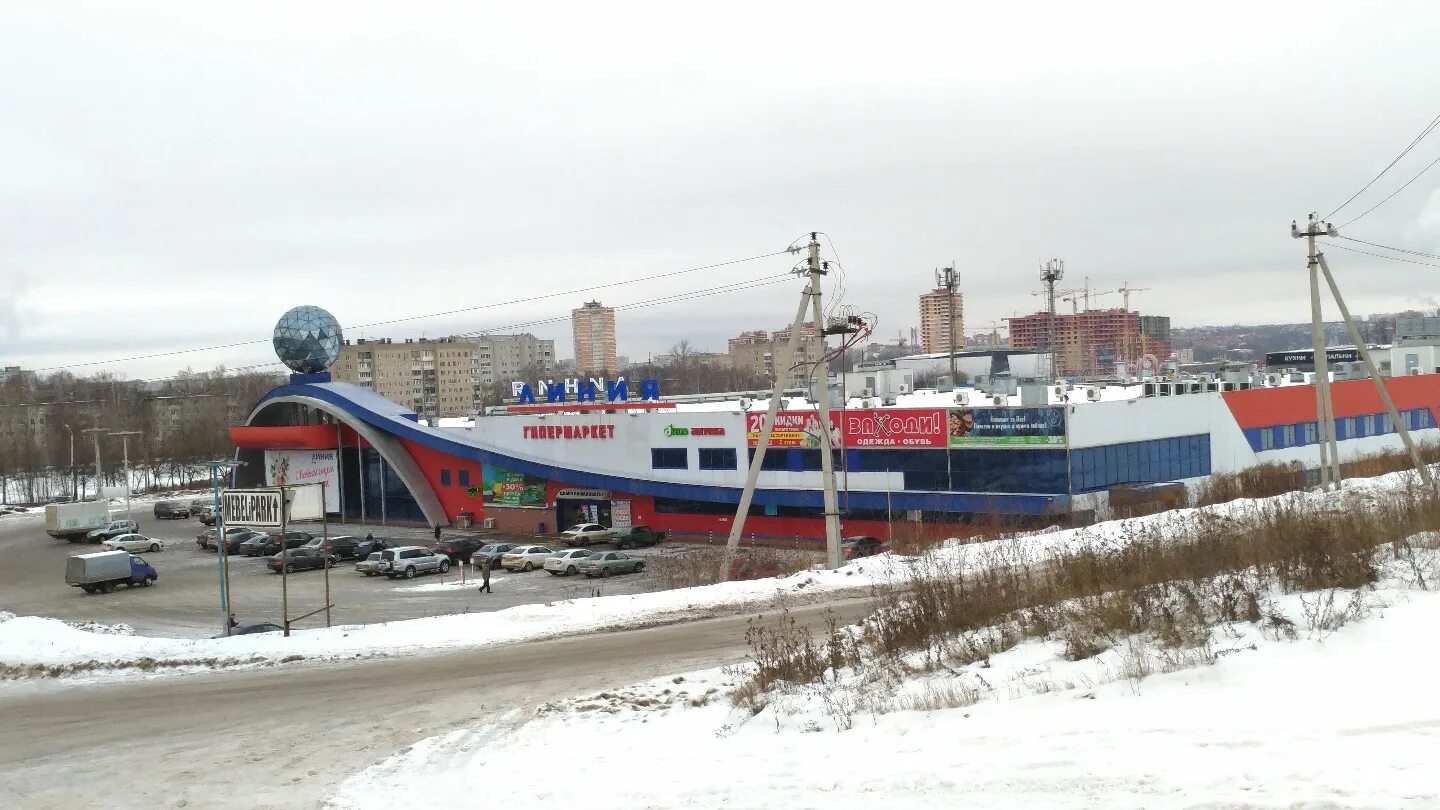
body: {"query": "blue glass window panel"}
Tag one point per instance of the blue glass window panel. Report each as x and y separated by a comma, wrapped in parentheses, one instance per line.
(669, 458)
(444, 478)
(717, 458)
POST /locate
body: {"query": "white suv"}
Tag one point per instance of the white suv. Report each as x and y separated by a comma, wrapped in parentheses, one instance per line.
(407, 561)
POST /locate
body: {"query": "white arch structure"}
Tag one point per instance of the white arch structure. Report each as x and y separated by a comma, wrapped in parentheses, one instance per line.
(388, 446)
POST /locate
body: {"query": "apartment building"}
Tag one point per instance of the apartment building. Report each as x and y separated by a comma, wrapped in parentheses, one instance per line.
(503, 358)
(763, 354)
(936, 308)
(593, 326)
(1095, 341)
(433, 377)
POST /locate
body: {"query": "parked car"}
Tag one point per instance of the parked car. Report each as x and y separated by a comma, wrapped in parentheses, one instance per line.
(171, 510)
(611, 562)
(266, 544)
(206, 515)
(196, 504)
(251, 629)
(365, 548)
(343, 546)
(102, 571)
(852, 548)
(370, 566)
(489, 555)
(460, 549)
(566, 562)
(300, 559)
(525, 558)
(582, 533)
(114, 528)
(206, 539)
(233, 542)
(407, 561)
(133, 542)
(292, 540)
(637, 536)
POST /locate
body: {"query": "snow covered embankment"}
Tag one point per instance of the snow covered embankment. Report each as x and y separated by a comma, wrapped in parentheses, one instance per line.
(1332, 717)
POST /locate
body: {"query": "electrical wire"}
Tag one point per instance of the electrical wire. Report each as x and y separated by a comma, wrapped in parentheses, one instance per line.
(492, 305)
(1434, 122)
(1380, 255)
(1392, 248)
(1392, 194)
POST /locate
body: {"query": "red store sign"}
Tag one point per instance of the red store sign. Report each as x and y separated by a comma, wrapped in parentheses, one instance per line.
(568, 431)
(892, 428)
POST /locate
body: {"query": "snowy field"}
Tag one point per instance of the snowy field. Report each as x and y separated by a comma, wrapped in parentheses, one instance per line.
(1348, 718)
(29, 643)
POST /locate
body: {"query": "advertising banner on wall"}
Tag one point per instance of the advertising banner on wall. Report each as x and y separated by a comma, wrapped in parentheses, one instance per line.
(504, 487)
(1003, 426)
(620, 515)
(792, 429)
(892, 428)
(289, 467)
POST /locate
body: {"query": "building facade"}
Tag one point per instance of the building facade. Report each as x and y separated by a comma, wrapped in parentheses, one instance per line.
(435, 377)
(763, 354)
(1096, 342)
(936, 308)
(502, 358)
(594, 330)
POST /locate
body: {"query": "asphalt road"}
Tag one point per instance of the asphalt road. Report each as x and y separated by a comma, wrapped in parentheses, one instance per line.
(185, 601)
(285, 738)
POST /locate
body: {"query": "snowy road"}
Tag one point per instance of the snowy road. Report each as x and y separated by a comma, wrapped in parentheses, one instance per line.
(286, 738)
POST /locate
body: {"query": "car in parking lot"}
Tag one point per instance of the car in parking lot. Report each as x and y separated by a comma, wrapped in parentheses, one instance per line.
(852, 548)
(171, 510)
(206, 514)
(525, 558)
(233, 542)
(566, 562)
(299, 559)
(611, 562)
(584, 533)
(370, 566)
(459, 549)
(206, 539)
(114, 528)
(637, 536)
(342, 546)
(133, 543)
(196, 504)
(292, 540)
(370, 545)
(407, 561)
(489, 555)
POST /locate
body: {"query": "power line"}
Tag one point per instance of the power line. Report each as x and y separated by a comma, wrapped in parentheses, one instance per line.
(1393, 248)
(1418, 138)
(1380, 255)
(1392, 194)
(493, 305)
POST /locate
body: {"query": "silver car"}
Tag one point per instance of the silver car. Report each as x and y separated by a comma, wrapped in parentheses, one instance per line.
(370, 566)
(611, 562)
(407, 561)
(566, 562)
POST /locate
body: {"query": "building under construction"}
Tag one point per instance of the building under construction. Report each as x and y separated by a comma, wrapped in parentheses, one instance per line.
(1097, 342)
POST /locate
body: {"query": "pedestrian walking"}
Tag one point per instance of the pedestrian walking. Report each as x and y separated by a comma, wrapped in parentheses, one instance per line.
(437, 532)
(369, 537)
(485, 577)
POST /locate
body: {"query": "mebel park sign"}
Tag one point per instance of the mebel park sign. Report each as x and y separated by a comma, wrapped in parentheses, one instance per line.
(583, 390)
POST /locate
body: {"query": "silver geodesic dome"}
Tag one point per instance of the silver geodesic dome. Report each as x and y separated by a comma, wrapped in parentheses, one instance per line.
(307, 339)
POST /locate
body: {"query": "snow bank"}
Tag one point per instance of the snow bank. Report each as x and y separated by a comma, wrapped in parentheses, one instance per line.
(1342, 719)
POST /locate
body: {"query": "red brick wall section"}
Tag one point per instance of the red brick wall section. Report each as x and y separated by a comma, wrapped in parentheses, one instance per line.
(454, 498)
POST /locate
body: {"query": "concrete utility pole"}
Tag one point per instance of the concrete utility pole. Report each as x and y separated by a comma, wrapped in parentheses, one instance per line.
(1326, 409)
(125, 443)
(809, 297)
(947, 278)
(74, 486)
(95, 434)
(830, 498)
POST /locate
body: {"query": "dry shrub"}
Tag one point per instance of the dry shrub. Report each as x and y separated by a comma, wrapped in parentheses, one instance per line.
(1260, 481)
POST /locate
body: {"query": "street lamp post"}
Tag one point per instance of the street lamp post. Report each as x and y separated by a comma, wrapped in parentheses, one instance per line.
(125, 441)
(222, 558)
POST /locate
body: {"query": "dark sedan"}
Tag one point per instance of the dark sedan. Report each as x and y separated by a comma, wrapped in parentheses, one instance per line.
(488, 556)
(459, 550)
(856, 547)
(365, 548)
(292, 540)
(300, 559)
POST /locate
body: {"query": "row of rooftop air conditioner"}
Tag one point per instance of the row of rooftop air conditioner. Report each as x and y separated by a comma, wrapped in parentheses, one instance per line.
(967, 398)
(1168, 389)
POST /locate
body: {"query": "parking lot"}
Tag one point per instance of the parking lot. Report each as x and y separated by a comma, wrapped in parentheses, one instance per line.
(185, 600)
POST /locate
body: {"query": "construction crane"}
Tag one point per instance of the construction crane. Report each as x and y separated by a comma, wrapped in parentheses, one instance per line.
(1126, 289)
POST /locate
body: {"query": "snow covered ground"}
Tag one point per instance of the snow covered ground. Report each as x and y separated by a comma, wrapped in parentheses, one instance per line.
(1342, 718)
(30, 642)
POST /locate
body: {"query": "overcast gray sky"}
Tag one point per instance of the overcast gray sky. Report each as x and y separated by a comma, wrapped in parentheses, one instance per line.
(175, 175)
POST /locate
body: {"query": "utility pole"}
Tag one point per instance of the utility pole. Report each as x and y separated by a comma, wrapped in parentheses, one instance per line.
(949, 280)
(125, 442)
(95, 434)
(1053, 271)
(222, 558)
(830, 498)
(74, 484)
(809, 298)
